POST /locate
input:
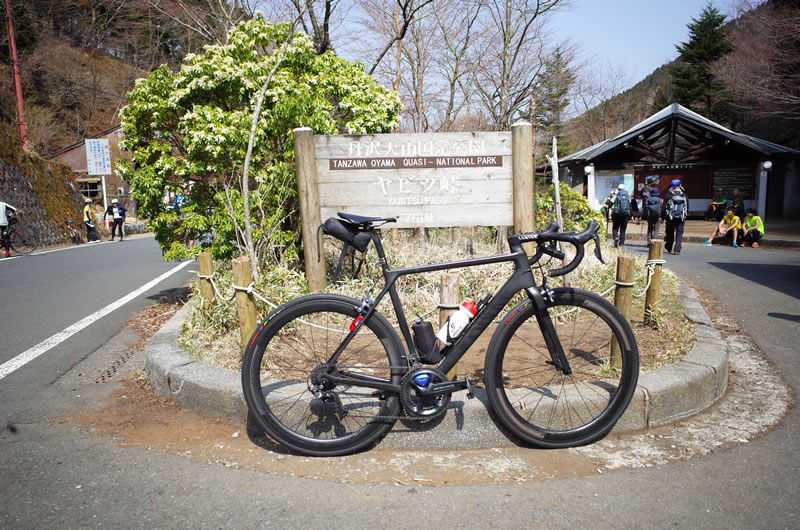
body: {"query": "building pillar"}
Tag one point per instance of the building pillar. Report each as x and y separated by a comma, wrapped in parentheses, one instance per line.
(791, 191)
(590, 187)
(762, 189)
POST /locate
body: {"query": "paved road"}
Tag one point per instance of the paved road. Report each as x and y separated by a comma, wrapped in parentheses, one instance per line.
(58, 475)
(47, 292)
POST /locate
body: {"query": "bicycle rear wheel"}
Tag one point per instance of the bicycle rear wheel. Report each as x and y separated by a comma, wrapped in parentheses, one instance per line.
(284, 376)
(24, 239)
(541, 404)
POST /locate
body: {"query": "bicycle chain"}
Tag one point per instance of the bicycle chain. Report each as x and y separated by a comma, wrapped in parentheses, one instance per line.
(395, 418)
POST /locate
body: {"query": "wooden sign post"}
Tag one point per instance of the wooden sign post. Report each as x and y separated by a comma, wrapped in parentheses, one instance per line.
(424, 180)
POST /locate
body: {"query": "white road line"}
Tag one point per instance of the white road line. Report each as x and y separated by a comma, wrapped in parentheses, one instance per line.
(32, 353)
(82, 245)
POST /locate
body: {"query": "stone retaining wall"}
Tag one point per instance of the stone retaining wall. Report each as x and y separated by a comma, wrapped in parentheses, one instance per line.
(44, 193)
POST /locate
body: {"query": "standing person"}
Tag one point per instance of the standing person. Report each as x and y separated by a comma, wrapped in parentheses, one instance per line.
(676, 205)
(117, 212)
(729, 226)
(647, 189)
(88, 220)
(752, 229)
(5, 209)
(651, 211)
(608, 204)
(177, 204)
(619, 217)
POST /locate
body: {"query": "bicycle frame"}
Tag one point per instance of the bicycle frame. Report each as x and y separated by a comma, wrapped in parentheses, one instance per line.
(521, 279)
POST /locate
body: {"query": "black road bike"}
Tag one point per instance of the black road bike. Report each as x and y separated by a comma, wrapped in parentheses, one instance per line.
(328, 375)
(23, 239)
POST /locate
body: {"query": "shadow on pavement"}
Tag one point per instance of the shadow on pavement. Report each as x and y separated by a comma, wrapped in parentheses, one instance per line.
(780, 278)
(785, 316)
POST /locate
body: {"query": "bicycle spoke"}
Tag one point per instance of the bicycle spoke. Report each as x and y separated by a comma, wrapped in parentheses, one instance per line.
(551, 405)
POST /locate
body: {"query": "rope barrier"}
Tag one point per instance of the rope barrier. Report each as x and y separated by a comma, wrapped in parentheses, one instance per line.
(651, 269)
(250, 289)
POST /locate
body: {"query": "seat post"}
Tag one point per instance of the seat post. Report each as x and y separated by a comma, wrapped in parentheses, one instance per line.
(376, 240)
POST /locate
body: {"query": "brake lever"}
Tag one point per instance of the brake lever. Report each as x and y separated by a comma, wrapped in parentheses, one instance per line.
(597, 253)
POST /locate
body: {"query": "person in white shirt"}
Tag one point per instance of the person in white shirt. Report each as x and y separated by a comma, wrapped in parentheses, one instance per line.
(5, 209)
(117, 212)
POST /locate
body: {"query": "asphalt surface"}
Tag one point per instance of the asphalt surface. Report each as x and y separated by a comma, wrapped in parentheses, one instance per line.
(59, 475)
(46, 292)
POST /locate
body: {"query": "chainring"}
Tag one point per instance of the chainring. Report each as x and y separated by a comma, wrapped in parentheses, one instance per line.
(415, 402)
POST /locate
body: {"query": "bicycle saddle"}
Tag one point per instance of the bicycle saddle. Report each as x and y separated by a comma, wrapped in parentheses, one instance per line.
(363, 221)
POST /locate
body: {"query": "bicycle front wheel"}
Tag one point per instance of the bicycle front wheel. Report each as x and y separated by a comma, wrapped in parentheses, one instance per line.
(284, 376)
(552, 408)
(24, 239)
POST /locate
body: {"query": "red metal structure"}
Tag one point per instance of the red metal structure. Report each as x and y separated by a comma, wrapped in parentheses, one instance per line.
(12, 46)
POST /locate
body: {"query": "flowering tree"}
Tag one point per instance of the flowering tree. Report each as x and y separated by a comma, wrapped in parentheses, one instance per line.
(193, 127)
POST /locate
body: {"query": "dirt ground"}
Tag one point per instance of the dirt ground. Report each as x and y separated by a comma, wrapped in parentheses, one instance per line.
(136, 417)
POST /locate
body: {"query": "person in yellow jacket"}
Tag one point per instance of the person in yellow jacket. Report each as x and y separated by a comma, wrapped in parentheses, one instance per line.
(729, 226)
(752, 228)
(88, 220)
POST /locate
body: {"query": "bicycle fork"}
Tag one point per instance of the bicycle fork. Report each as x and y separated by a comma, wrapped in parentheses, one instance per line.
(551, 340)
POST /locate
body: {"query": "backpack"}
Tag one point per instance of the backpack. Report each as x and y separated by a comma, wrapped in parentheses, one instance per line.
(677, 207)
(653, 207)
(622, 204)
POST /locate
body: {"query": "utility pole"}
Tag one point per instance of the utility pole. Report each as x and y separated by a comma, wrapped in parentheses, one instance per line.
(12, 47)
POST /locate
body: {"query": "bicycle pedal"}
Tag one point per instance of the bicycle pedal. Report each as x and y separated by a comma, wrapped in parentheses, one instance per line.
(470, 394)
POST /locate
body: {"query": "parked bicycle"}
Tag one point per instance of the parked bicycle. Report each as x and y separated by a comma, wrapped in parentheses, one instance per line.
(74, 235)
(24, 239)
(328, 375)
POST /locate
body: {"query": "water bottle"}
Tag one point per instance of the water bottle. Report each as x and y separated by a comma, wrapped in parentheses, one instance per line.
(457, 322)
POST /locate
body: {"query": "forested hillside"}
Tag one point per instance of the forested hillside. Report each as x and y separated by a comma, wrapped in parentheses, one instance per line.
(760, 77)
(78, 59)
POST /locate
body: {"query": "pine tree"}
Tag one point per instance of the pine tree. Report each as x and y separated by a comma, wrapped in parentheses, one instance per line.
(552, 98)
(694, 84)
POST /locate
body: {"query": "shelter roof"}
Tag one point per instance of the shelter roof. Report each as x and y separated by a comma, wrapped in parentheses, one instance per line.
(676, 135)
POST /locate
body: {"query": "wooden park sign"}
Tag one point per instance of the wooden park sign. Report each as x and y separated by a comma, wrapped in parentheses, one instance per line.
(424, 180)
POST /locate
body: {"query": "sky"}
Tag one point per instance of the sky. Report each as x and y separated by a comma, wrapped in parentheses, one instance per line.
(636, 35)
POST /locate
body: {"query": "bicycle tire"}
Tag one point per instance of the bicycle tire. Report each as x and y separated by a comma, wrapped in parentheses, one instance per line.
(278, 371)
(540, 404)
(24, 239)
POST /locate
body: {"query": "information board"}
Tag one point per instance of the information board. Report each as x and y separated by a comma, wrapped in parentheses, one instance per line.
(429, 180)
(98, 157)
(729, 178)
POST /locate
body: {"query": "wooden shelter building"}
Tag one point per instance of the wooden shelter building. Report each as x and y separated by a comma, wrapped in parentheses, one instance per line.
(677, 143)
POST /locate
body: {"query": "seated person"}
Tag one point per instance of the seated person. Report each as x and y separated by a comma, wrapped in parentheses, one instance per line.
(716, 208)
(729, 226)
(752, 229)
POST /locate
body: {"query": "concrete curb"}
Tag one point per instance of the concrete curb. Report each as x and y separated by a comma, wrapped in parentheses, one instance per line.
(662, 396)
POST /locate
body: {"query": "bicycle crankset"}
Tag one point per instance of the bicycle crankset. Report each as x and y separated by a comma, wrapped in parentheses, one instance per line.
(425, 392)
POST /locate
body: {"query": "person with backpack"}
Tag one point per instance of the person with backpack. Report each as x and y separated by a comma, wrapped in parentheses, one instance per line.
(619, 217)
(651, 212)
(728, 227)
(675, 209)
(7, 213)
(88, 221)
